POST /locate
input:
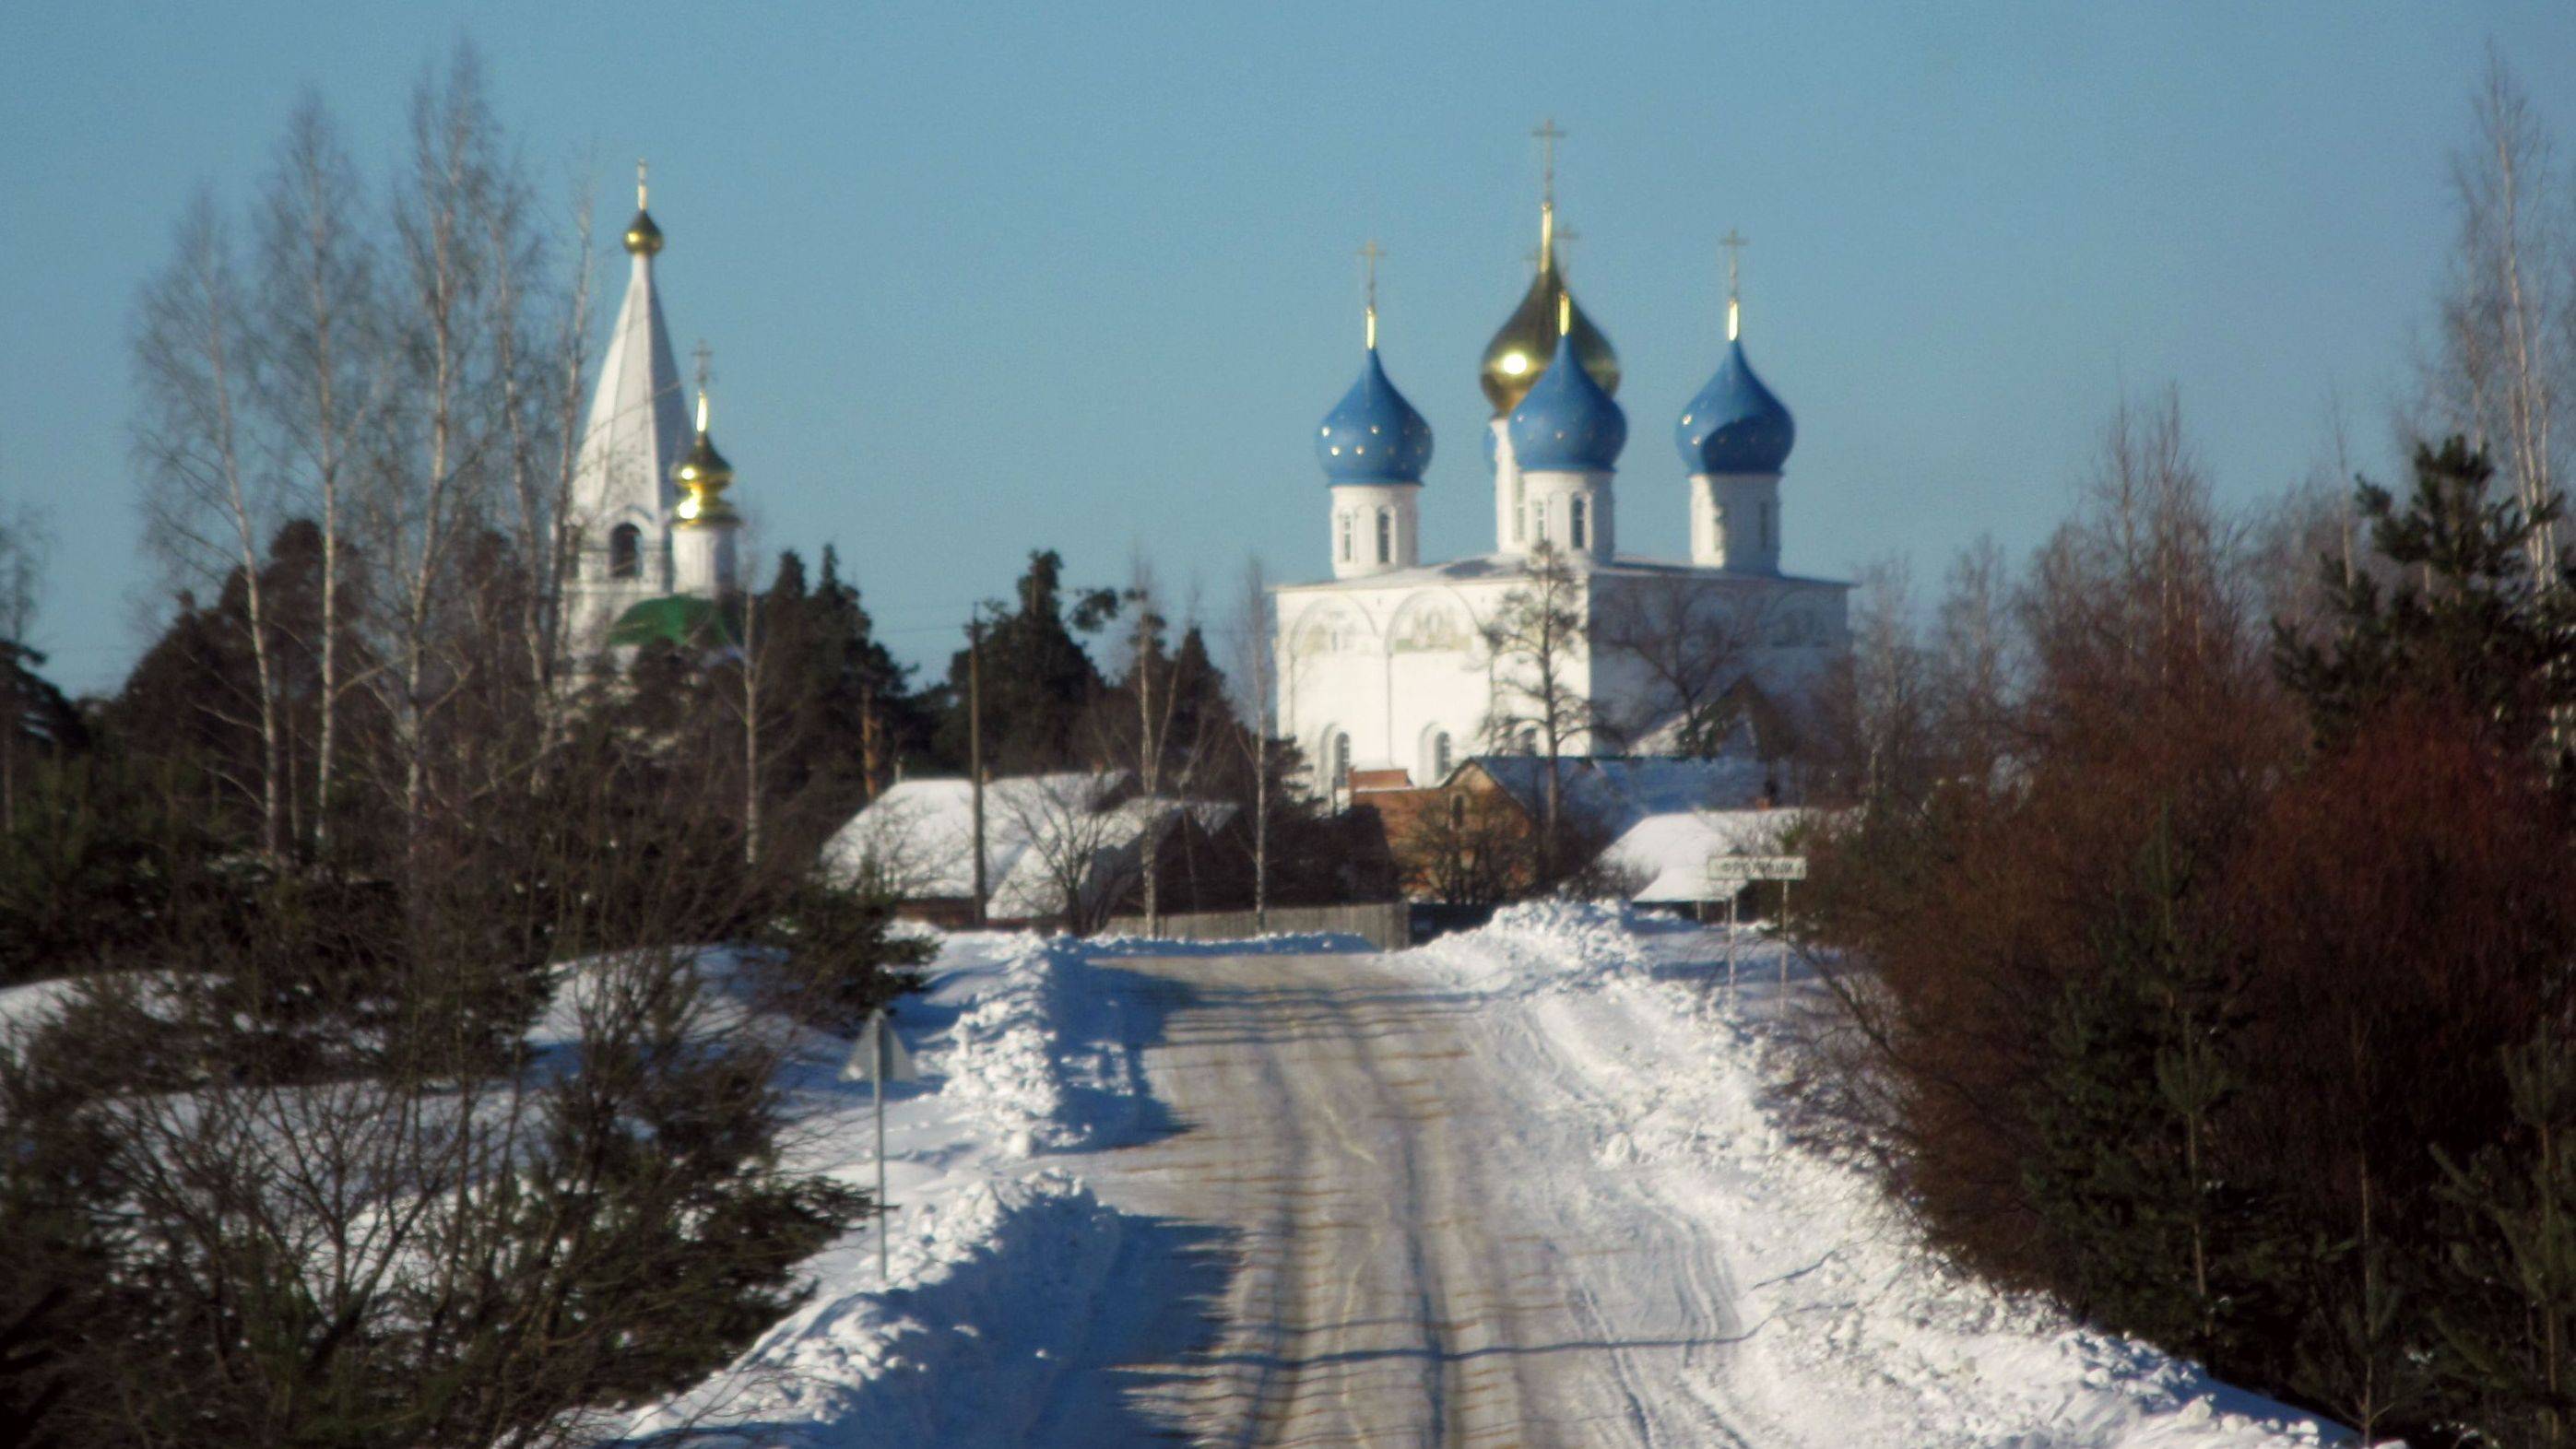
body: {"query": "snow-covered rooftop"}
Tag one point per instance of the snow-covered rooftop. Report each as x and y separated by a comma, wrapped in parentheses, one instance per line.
(1615, 792)
(1672, 850)
(919, 835)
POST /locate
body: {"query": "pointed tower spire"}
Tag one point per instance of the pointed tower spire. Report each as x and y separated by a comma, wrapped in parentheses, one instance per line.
(622, 494)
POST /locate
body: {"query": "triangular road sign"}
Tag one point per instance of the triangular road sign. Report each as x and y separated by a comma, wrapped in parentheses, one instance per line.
(878, 1056)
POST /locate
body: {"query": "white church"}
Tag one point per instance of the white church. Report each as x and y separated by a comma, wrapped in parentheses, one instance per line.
(651, 540)
(1388, 666)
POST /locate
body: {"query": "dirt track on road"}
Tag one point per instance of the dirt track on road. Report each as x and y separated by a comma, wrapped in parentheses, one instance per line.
(1414, 1259)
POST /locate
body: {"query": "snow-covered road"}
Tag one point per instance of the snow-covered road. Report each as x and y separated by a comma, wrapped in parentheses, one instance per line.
(1411, 1265)
(1528, 1185)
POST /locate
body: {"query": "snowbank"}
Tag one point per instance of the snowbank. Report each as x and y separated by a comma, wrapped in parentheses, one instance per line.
(1001, 1069)
(1855, 1332)
(946, 1357)
(995, 1268)
(1541, 946)
(26, 1009)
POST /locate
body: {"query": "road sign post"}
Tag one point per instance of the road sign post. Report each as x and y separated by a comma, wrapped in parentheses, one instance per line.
(1740, 870)
(878, 1058)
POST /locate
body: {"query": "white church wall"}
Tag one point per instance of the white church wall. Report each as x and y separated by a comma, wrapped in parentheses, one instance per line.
(1391, 669)
(1395, 669)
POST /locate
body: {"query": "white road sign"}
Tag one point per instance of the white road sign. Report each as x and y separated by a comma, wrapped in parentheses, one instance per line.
(1757, 867)
(879, 1055)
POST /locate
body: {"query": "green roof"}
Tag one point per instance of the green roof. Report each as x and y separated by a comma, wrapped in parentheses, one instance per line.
(676, 619)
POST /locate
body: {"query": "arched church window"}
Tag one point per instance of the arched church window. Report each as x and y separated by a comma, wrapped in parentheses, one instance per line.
(1574, 531)
(1520, 510)
(1385, 536)
(1443, 755)
(1457, 812)
(1346, 538)
(625, 551)
(1717, 530)
(1337, 761)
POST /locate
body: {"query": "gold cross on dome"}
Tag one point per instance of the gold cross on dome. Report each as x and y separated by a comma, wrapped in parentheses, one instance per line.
(1370, 251)
(639, 183)
(1555, 236)
(705, 356)
(1548, 134)
(1733, 243)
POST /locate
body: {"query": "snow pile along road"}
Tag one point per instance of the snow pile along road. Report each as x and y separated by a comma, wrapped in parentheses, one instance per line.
(997, 1267)
(1852, 1332)
(1003, 1069)
(995, 1285)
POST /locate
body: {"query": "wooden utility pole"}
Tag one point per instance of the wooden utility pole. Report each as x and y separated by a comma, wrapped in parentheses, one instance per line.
(975, 744)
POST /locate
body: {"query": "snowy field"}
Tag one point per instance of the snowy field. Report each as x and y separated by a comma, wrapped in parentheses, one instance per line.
(1063, 1272)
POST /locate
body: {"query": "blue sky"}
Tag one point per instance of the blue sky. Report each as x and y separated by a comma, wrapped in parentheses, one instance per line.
(983, 280)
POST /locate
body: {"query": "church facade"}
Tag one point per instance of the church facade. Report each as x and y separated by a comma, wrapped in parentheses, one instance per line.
(650, 540)
(1397, 664)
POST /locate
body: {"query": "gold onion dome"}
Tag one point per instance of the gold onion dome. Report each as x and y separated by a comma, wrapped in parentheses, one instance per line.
(643, 238)
(703, 476)
(1520, 351)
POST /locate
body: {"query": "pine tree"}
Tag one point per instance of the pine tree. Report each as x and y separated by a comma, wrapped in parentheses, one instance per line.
(2125, 1170)
(1038, 678)
(2466, 620)
(2507, 1318)
(849, 713)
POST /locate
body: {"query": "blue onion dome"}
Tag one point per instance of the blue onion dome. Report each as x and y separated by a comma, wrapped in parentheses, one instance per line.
(1373, 435)
(1567, 422)
(1735, 425)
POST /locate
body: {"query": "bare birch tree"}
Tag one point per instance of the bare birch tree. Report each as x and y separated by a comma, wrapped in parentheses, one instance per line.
(1148, 679)
(1694, 638)
(1535, 651)
(2507, 357)
(429, 491)
(1076, 834)
(207, 510)
(25, 544)
(1155, 679)
(542, 382)
(1885, 723)
(1256, 683)
(317, 391)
